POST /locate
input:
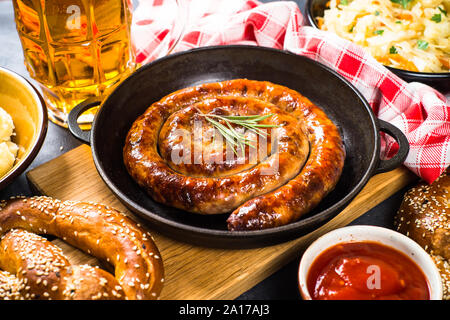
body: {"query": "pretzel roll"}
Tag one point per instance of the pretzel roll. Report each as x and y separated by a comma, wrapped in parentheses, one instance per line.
(95, 229)
(424, 215)
(305, 161)
(443, 266)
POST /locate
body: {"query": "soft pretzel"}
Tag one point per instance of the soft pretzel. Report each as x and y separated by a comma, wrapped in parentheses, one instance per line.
(45, 273)
(93, 228)
(11, 287)
(259, 201)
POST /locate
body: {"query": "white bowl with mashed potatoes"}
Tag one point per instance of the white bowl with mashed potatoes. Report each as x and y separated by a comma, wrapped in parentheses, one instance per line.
(8, 149)
(23, 125)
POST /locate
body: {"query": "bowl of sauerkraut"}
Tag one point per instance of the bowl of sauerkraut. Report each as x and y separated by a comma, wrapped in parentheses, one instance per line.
(410, 37)
(23, 125)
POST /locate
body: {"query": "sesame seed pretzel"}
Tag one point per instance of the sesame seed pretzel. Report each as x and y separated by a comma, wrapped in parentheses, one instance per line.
(34, 268)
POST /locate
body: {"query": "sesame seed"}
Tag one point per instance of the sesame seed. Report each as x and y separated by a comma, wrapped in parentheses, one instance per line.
(45, 263)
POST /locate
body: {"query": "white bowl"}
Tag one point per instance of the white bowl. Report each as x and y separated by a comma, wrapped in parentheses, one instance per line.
(380, 235)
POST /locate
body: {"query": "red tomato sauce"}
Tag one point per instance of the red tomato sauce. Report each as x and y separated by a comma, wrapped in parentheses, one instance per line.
(366, 271)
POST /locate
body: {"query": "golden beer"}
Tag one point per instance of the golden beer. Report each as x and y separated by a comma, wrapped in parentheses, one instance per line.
(75, 49)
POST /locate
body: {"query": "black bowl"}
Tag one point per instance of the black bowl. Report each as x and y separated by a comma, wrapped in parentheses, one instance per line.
(337, 97)
(439, 81)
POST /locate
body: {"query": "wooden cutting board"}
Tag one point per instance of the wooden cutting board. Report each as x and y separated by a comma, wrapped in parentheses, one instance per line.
(194, 272)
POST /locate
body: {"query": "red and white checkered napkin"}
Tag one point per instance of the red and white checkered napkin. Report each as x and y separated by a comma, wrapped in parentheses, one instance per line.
(421, 112)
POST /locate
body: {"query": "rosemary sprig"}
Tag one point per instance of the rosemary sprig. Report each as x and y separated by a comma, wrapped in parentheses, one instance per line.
(234, 137)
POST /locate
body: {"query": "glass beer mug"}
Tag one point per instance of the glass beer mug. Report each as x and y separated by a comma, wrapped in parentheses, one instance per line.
(75, 49)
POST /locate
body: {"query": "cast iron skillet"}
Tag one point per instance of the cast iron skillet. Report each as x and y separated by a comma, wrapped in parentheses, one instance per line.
(338, 98)
(438, 80)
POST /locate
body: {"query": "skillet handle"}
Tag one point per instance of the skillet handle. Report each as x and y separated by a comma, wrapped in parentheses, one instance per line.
(403, 150)
(74, 128)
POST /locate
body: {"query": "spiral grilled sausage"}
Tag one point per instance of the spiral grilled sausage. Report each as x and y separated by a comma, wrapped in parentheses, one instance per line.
(308, 170)
(185, 186)
(43, 272)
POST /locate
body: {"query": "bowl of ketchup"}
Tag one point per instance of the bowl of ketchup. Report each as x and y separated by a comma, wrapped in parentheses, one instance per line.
(367, 263)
